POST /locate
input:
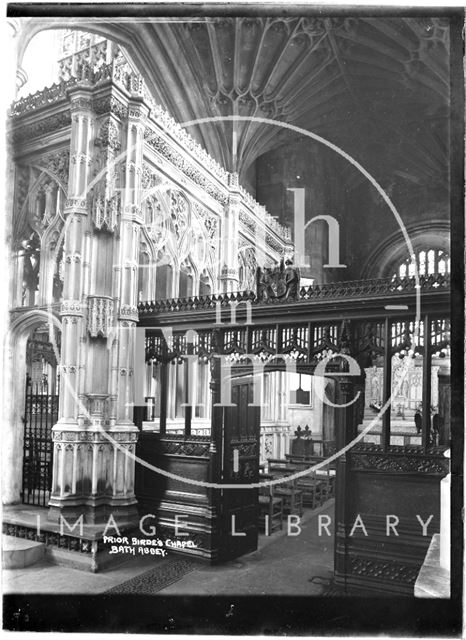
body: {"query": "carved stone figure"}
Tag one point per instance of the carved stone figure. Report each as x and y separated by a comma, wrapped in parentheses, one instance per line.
(291, 276)
(264, 280)
(278, 282)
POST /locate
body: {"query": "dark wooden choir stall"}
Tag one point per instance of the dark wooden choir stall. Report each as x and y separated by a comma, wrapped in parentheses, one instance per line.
(373, 478)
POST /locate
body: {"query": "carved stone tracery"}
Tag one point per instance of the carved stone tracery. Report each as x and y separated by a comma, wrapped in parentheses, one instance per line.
(99, 316)
(105, 211)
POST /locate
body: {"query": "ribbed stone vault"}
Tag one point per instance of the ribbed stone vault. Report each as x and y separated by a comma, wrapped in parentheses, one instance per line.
(377, 87)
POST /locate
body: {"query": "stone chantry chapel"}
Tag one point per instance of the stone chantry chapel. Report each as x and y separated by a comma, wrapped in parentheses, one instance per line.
(228, 253)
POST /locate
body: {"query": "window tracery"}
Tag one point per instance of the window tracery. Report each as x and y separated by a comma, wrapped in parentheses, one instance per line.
(426, 262)
(180, 238)
(38, 220)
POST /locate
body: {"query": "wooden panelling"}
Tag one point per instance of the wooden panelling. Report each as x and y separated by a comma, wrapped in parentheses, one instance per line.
(381, 487)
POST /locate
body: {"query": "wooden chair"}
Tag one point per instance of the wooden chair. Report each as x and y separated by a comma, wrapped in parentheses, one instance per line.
(292, 498)
(289, 492)
(318, 486)
(312, 491)
(270, 508)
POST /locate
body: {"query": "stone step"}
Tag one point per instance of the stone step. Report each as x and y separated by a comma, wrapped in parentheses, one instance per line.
(20, 552)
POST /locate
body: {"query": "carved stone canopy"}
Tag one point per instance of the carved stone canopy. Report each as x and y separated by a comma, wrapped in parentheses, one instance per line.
(99, 316)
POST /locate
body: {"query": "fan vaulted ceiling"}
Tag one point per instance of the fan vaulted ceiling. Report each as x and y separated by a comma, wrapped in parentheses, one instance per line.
(377, 87)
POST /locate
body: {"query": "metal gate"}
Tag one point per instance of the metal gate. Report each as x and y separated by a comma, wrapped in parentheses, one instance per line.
(40, 414)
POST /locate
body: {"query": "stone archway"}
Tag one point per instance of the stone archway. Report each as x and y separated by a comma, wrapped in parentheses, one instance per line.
(14, 387)
(435, 234)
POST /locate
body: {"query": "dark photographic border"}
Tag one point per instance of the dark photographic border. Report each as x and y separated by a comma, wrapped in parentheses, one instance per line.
(284, 615)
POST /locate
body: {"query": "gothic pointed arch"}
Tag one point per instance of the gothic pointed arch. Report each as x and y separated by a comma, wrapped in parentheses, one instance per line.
(41, 191)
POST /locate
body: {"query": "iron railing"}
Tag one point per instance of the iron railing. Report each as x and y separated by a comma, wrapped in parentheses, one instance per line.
(41, 413)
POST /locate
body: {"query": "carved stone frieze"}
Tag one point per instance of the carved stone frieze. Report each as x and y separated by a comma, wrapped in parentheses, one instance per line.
(261, 212)
(94, 436)
(110, 104)
(187, 167)
(187, 142)
(80, 103)
(42, 127)
(247, 221)
(42, 98)
(274, 244)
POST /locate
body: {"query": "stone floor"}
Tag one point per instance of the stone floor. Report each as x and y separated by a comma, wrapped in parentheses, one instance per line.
(283, 565)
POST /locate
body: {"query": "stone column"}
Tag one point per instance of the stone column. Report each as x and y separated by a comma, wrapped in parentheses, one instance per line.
(229, 238)
(126, 269)
(73, 460)
(125, 279)
(95, 438)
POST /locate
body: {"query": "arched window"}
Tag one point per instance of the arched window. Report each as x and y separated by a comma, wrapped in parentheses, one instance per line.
(428, 261)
